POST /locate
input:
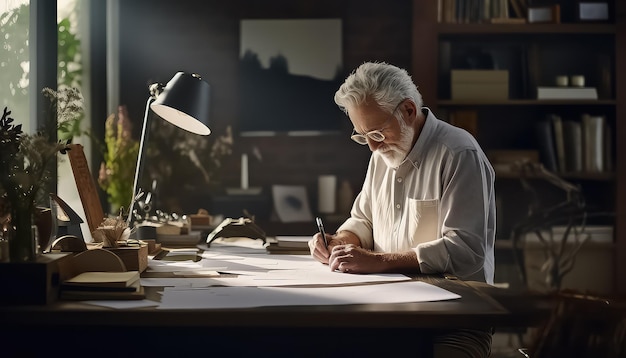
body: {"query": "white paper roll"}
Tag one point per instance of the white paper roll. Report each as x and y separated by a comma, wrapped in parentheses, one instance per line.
(326, 189)
(244, 171)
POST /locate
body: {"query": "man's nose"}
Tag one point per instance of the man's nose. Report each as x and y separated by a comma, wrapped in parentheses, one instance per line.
(373, 144)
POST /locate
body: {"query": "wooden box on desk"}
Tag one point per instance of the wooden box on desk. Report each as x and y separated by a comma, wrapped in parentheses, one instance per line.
(477, 85)
(33, 283)
(135, 258)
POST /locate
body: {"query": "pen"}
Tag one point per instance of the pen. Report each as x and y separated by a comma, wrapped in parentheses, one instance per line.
(320, 226)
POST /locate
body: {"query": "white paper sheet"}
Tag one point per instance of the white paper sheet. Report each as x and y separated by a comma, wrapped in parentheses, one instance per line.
(246, 297)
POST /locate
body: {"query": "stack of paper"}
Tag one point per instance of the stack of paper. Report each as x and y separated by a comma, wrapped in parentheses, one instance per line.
(289, 245)
(103, 285)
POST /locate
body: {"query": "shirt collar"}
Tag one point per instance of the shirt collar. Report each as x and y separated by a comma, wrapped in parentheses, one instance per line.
(416, 155)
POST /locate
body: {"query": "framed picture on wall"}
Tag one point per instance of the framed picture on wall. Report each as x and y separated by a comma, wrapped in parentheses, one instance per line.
(289, 72)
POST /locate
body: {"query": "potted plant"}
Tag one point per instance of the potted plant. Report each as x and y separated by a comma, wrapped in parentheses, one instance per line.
(27, 162)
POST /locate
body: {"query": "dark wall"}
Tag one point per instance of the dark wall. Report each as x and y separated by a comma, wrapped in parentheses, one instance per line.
(161, 37)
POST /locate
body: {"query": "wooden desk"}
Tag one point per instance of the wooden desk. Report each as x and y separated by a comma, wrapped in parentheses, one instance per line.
(275, 330)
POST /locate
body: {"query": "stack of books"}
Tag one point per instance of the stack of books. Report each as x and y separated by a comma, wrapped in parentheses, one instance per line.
(582, 145)
(293, 245)
(90, 285)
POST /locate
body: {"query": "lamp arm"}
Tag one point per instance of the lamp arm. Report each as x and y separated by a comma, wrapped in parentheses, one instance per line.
(144, 135)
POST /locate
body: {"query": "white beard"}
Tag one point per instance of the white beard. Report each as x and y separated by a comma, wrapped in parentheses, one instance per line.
(394, 155)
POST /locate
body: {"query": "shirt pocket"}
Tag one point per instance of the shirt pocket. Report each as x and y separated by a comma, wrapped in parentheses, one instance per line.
(423, 221)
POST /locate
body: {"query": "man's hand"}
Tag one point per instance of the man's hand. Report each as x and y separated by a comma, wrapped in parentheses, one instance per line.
(318, 248)
(354, 259)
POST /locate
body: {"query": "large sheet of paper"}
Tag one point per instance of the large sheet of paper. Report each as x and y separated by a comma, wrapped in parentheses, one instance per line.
(247, 297)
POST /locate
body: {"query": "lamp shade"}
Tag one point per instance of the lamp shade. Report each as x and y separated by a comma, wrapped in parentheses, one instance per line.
(184, 102)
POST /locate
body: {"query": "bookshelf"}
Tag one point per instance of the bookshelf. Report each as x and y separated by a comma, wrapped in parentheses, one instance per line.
(534, 54)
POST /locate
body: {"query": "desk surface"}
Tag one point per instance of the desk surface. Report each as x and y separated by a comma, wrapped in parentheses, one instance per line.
(477, 307)
(480, 306)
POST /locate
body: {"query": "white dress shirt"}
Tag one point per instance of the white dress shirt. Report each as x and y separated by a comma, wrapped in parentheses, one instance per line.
(439, 202)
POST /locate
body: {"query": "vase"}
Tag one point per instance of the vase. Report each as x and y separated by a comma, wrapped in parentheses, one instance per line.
(23, 233)
(46, 229)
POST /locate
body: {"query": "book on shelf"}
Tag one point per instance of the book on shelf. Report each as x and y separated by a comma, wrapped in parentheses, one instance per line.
(472, 12)
(593, 128)
(519, 9)
(573, 143)
(559, 143)
(544, 135)
(508, 20)
(608, 148)
(575, 146)
(567, 93)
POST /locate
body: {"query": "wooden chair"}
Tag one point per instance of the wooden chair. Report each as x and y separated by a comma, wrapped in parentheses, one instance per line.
(582, 326)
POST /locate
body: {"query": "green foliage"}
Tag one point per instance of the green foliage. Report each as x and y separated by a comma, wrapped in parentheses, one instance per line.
(117, 172)
(14, 58)
(27, 161)
(14, 54)
(70, 69)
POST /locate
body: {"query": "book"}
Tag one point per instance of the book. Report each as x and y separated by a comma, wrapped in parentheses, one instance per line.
(573, 143)
(301, 242)
(273, 247)
(608, 148)
(545, 144)
(567, 93)
(133, 292)
(593, 128)
(101, 280)
(559, 144)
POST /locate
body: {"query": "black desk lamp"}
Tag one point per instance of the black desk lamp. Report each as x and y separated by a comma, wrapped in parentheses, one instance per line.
(184, 102)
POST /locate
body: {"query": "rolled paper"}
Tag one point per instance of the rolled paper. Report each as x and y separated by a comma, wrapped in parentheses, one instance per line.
(327, 188)
(244, 171)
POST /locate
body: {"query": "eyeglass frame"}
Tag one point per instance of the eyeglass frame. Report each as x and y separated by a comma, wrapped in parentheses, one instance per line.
(362, 138)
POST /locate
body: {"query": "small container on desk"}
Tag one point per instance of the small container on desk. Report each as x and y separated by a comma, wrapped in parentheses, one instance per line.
(34, 283)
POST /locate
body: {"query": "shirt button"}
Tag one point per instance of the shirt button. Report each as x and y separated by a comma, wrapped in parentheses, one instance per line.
(399, 180)
(398, 206)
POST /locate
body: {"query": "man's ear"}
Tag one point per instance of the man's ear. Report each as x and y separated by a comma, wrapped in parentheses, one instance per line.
(410, 108)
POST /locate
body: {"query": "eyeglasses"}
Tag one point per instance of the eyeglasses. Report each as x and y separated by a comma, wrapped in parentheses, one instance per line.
(375, 135)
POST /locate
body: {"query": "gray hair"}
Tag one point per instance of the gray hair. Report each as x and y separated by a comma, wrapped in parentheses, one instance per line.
(386, 84)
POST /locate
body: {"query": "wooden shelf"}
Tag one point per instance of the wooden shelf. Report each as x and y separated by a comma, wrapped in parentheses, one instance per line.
(524, 29)
(536, 54)
(528, 102)
(568, 176)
